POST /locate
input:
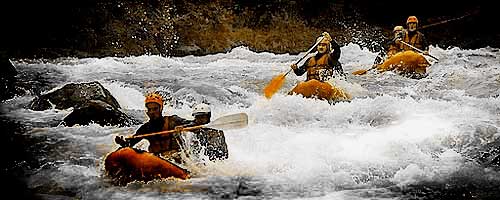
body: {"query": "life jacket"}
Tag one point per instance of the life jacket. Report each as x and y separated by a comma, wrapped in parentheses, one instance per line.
(393, 49)
(319, 69)
(415, 40)
(168, 142)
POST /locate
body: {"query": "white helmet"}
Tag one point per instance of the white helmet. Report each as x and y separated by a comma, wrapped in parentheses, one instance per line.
(201, 108)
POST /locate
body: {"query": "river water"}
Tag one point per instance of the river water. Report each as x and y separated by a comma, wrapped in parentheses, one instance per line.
(399, 138)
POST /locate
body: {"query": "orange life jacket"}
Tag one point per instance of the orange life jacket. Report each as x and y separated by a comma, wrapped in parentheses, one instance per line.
(319, 69)
(415, 40)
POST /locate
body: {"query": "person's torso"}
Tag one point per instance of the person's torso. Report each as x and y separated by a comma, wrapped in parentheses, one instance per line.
(393, 49)
(413, 38)
(319, 68)
(167, 142)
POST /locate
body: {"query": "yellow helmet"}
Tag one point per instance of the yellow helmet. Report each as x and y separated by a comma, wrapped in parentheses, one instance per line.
(398, 28)
(412, 19)
(154, 98)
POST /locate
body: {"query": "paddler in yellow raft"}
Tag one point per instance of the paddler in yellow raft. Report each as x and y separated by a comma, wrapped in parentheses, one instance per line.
(321, 68)
(405, 52)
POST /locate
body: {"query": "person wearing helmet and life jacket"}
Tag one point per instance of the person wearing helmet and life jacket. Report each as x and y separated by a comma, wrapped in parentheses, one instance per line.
(413, 37)
(391, 47)
(167, 146)
(325, 63)
(210, 141)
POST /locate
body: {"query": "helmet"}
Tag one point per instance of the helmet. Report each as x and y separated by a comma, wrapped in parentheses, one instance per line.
(154, 98)
(412, 19)
(201, 108)
(323, 40)
(397, 28)
(326, 41)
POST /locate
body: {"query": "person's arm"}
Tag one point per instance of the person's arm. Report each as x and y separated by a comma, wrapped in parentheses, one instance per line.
(130, 142)
(334, 58)
(335, 53)
(299, 71)
(180, 122)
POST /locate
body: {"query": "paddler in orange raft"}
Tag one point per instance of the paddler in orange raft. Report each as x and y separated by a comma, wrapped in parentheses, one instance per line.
(166, 146)
(128, 164)
(321, 67)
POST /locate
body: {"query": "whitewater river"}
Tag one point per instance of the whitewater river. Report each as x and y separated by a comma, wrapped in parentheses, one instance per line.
(398, 138)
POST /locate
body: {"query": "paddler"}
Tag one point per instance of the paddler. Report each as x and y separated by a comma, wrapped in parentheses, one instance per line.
(414, 37)
(209, 141)
(168, 146)
(325, 63)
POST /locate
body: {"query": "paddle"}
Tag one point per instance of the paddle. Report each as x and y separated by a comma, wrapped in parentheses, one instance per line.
(234, 121)
(278, 81)
(417, 49)
(364, 71)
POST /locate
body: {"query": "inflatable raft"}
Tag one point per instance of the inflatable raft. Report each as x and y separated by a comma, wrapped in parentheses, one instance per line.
(406, 62)
(320, 90)
(126, 165)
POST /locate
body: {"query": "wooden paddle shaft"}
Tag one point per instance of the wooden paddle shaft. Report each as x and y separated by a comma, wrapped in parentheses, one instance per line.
(417, 49)
(307, 53)
(168, 132)
(237, 120)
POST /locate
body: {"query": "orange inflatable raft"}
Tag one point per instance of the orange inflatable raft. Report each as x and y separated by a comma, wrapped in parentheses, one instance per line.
(126, 165)
(320, 90)
(406, 62)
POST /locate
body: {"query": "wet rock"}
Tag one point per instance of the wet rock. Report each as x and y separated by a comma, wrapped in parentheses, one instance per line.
(74, 95)
(92, 103)
(100, 112)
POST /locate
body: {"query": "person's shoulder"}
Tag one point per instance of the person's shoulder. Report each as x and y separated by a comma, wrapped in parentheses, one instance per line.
(178, 120)
(148, 123)
(143, 128)
(174, 117)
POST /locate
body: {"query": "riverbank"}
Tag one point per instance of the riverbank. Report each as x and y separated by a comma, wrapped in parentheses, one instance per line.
(177, 28)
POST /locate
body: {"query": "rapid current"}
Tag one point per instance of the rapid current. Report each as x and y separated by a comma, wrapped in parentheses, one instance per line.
(399, 138)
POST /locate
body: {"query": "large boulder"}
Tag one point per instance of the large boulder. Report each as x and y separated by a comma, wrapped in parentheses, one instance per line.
(92, 103)
(99, 112)
(74, 95)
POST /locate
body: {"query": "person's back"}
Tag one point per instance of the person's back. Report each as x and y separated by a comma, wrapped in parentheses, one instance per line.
(209, 141)
(214, 143)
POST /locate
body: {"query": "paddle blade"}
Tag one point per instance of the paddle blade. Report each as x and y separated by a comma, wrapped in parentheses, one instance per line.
(234, 121)
(360, 72)
(274, 85)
